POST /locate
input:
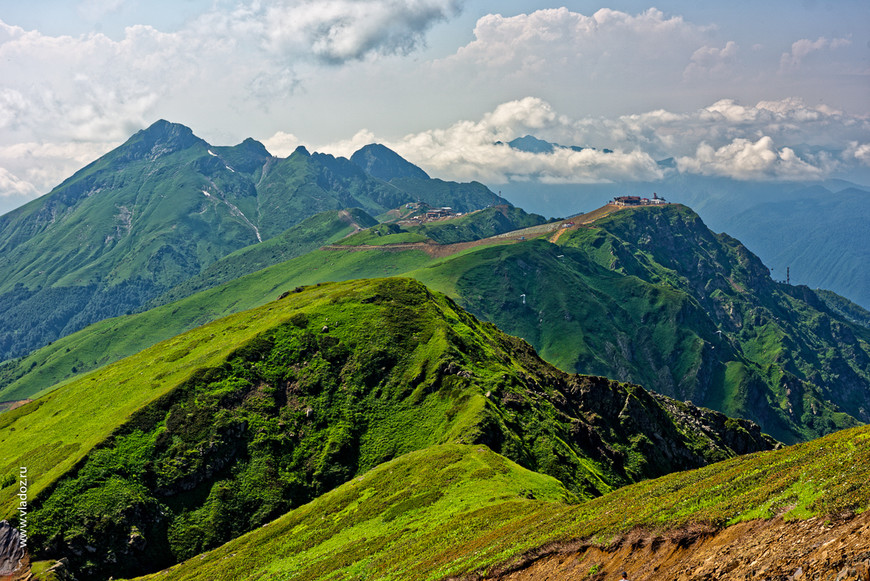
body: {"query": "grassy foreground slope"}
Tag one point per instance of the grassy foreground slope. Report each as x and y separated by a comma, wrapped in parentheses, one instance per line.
(457, 520)
(335, 380)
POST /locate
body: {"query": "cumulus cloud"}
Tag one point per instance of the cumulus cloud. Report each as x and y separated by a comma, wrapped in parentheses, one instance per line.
(339, 30)
(11, 185)
(281, 144)
(709, 61)
(347, 147)
(802, 48)
(332, 31)
(470, 150)
(789, 121)
(547, 40)
(728, 139)
(33, 168)
(743, 159)
(858, 152)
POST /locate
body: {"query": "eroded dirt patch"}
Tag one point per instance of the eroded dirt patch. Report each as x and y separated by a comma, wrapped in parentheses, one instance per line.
(819, 548)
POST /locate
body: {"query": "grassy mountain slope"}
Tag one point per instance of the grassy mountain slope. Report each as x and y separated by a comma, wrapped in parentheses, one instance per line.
(110, 340)
(115, 234)
(300, 395)
(308, 235)
(455, 526)
(383, 163)
(477, 225)
(404, 519)
(804, 350)
(160, 209)
(482, 224)
(649, 296)
(652, 296)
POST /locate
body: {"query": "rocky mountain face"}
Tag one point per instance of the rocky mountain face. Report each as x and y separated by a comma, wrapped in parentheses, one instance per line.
(160, 209)
(11, 551)
(366, 372)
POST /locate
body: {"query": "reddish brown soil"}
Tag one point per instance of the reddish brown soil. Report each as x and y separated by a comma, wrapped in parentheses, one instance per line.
(6, 406)
(835, 549)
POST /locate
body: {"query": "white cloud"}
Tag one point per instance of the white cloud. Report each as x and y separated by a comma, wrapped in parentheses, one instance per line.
(467, 150)
(804, 47)
(710, 61)
(606, 44)
(743, 159)
(332, 31)
(858, 152)
(39, 166)
(282, 144)
(724, 139)
(11, 185)
(347, 147)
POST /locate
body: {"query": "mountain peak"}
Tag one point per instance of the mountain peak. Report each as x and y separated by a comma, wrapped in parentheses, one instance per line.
(532, 144)
(160, 138)
(383, 163)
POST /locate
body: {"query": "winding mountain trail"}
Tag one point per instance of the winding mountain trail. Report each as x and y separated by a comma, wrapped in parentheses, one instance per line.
(442, 250)
(431, 248)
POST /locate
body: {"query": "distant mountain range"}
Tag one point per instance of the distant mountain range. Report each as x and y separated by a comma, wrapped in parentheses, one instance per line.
(531, 144)
(163, 207)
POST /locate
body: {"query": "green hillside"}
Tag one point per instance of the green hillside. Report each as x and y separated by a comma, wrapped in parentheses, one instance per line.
(649, 296)
(466, 514)
(110, 340)
(805, 352)
(192, 443)
(159, 210)
(307, 236)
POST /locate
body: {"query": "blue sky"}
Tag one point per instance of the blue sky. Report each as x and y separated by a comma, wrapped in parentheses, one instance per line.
(775, 90)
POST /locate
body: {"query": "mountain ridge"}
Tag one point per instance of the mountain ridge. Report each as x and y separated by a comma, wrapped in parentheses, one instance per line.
(160, 209)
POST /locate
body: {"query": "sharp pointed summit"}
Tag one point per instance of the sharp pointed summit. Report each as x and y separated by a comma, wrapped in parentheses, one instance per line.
(384, 163)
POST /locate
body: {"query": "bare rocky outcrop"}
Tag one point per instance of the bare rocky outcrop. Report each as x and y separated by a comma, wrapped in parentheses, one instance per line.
(12, 554)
